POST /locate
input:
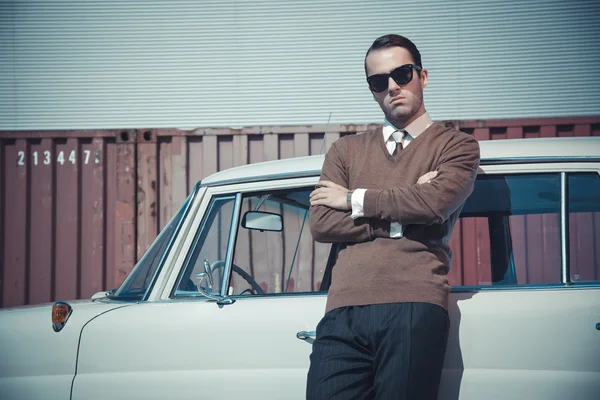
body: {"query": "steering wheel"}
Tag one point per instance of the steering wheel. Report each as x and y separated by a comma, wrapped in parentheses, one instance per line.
(246, 276)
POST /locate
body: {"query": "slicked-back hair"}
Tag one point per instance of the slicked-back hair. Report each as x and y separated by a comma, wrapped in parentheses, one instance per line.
(392, 40)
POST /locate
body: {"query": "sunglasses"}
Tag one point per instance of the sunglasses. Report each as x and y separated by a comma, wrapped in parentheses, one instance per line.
(401, 75)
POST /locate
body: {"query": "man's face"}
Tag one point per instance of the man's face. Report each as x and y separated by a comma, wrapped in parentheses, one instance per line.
(400, 104)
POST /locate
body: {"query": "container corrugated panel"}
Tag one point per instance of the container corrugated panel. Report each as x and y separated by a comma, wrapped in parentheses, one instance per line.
(104, 64)
(67, 214)
(78, 208)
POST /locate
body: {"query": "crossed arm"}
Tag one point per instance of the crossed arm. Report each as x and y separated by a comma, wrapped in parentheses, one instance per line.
(330, 224)
(428, 201)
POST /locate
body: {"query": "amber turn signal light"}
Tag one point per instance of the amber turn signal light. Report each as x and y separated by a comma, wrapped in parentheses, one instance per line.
(61, 312)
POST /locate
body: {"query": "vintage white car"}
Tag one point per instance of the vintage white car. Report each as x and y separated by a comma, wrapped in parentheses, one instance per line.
(225, 303)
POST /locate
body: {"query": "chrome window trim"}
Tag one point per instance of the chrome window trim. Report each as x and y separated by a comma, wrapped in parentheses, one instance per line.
(212, 198)
(265, 178)
(233, 229)
(271, 295)
(564, 229)
(171, 242)
(484, 162)
(540, 160)
(546, 286)
(455, 289)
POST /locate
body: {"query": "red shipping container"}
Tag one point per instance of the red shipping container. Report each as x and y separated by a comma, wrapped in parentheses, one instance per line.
(78, 208)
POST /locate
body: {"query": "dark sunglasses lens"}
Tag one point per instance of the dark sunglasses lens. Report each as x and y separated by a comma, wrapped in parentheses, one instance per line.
(378, 83)
(402, 75)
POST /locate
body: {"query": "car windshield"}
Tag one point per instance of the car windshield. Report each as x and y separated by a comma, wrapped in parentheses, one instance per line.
(139, 280)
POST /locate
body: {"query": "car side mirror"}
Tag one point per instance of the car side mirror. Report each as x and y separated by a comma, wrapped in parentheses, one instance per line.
(262, 221)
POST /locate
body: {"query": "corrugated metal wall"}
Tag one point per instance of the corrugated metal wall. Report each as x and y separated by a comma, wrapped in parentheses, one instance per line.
(77, 208)
(111, 63)
(68, 214)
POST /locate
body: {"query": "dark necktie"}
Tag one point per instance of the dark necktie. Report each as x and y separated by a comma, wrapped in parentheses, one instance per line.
(399, 143)
(398, 147)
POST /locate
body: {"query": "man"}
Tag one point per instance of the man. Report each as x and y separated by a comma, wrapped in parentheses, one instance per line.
(391, 198)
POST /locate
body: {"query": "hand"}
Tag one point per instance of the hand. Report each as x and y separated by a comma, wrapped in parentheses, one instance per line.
(331, 195)
(427, 177)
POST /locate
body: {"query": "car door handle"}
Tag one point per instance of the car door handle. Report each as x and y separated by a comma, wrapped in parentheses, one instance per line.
(304, 335)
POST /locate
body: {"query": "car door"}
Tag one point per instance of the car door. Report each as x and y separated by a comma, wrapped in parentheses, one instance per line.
(176, 349)
(186, 344)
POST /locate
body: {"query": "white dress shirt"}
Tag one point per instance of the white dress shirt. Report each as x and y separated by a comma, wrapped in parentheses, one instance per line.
(391, 135)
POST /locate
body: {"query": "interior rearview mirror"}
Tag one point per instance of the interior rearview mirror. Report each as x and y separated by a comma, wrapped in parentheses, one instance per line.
(262, 221)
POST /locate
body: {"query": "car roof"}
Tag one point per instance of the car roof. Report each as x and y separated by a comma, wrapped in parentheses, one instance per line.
(492, 152)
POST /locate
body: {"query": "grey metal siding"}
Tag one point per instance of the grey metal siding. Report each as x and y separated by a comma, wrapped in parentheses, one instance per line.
(158, 63)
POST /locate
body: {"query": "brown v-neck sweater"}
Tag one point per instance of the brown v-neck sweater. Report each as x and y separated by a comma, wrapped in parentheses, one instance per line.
(373, 268)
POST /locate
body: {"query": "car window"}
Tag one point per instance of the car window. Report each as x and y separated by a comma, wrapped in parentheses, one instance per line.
(265, 261)
(584, 226)
(509, 232)
(286, 261)
(209, 248)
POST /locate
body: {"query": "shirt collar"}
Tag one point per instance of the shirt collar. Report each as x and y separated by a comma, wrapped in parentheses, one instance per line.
(414, 129)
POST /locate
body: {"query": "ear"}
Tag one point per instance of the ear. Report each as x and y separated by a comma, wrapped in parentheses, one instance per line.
(424, 75)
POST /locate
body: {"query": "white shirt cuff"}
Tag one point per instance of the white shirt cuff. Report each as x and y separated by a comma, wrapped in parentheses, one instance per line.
(357, 200)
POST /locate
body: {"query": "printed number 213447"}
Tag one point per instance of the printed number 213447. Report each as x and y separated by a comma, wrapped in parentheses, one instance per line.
(45, 157)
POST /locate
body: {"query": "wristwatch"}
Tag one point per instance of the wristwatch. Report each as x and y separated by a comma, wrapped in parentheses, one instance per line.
(349, 198)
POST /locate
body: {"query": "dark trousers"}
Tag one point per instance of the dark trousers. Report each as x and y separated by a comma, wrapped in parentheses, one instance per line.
(382, 351)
